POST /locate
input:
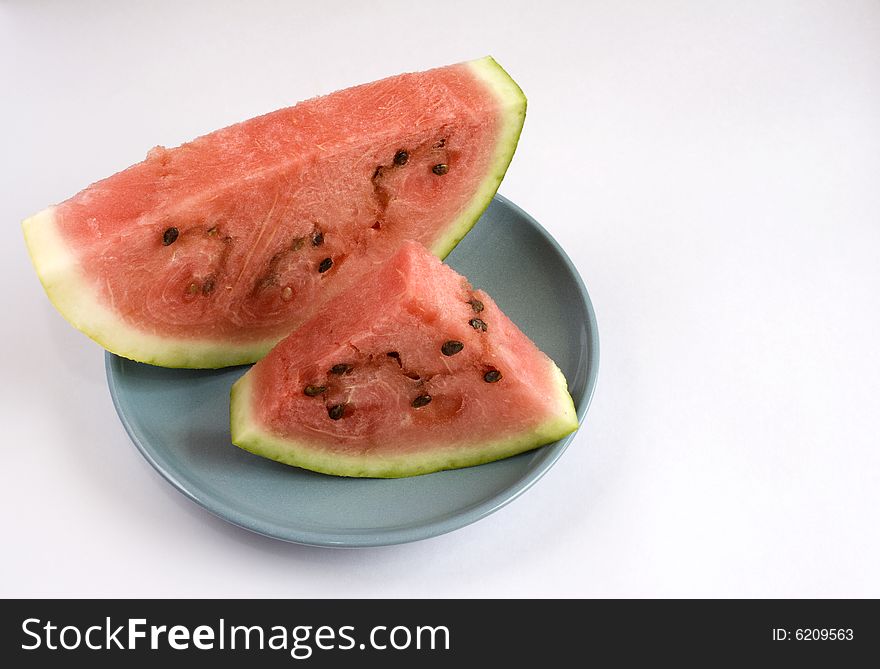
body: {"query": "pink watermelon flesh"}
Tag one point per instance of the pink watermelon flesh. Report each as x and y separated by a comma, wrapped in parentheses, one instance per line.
(411, 372)
(207, 254)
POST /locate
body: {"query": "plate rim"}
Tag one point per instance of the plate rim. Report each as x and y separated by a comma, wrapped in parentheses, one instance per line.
(407, 533)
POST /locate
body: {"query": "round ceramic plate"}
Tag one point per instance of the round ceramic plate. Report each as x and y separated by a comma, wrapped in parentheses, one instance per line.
(179, 419)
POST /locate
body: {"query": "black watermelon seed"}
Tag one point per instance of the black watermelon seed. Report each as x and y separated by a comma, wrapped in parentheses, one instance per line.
(394, 354)
(478, 324)
(208, 287)
(440, 169)
(318, 238)
(336, 411)
(314, 391)
(325, 264)
(401, 157)
(420, 401)
(412, 375)
(492, 376)
(341, 368)
(476, 305)
(451, 347)
(170, 236)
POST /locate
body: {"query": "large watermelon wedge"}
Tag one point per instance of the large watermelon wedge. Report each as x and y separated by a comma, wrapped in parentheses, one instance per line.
(207, 254)
(409, 373)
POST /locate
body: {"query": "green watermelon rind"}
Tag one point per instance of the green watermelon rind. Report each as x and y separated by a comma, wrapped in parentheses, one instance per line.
(512, 104)
(63, 279)
(249, 435)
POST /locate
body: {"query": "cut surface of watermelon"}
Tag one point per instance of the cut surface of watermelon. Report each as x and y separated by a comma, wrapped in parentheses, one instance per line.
(409, 373)
(207, 254)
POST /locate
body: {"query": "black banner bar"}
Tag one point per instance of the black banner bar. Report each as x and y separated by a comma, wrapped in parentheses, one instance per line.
(429, 633)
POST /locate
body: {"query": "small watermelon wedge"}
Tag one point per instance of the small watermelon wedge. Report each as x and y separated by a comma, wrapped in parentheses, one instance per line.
(207, 254)
(409, 373)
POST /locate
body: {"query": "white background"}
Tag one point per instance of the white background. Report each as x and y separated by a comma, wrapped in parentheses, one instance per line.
(713, 169)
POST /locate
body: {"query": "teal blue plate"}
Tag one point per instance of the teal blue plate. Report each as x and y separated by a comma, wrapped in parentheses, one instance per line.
(179, 419)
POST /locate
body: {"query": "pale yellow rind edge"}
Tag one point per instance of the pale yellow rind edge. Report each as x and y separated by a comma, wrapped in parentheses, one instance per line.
(512, 103)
